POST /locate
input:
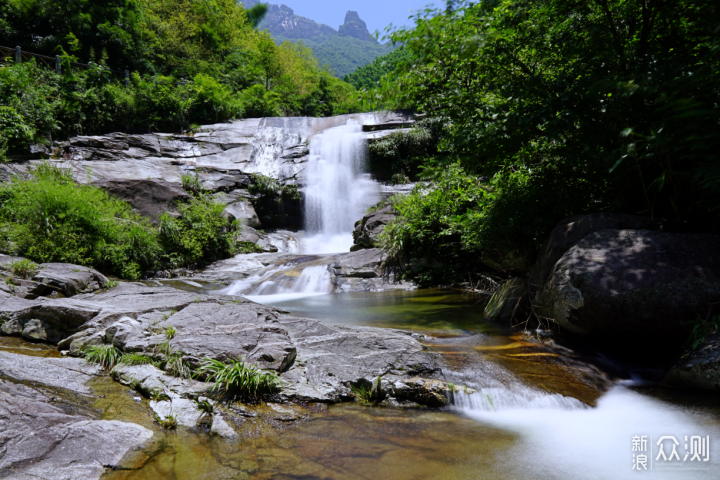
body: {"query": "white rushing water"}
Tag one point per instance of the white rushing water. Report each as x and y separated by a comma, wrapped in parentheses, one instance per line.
(276, 284)
(561, 439)
(337, 191)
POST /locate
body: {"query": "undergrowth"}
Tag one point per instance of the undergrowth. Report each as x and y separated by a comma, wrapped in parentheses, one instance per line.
(106, 356)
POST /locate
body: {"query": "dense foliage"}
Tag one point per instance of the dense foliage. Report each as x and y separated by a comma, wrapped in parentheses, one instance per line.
(554, 108)
(48, 217)
(193, 62)
(369, 76)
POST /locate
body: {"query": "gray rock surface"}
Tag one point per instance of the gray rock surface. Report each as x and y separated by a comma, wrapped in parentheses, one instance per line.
(65, 279)
(41, 441)
(573, 229)
(150, 381)
(699, 368)
(68, 373)
(150, 197)
(222, 155)
(634, 285)
(371, 225)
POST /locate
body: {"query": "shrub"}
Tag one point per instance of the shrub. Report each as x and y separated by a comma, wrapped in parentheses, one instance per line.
(106, 355)
(15, 134)
(238, 378)
(50, 218)
(258, 102)
(200, 234)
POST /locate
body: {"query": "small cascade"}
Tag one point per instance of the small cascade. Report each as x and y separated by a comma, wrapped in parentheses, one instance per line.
(337, 191)
(283, 283)
(496, 399)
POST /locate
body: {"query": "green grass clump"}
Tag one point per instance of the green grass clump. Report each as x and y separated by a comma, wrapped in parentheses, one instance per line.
(361, 392)
(168, 423)
(170, 332)
(136, 359)
(22, 268)
(105, 355)
(175, 366)
(238, 378)
(191, 183)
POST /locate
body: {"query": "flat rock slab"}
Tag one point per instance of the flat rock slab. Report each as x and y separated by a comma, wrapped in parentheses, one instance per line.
(68, 373)
(40, 441)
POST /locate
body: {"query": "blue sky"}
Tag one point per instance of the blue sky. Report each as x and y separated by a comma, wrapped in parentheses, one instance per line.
(377, 13)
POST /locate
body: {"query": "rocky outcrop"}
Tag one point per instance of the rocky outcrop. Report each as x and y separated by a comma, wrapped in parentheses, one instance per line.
(66, 373)
(698, 368)
(509, 302)
(318, 362)
(222, 156)
(63, 279)
(355, 27)
(370, 226)
(41, 441)
(149, 197)
(635, 286)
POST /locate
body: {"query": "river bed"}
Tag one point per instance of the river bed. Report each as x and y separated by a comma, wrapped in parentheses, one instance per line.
(538, 414)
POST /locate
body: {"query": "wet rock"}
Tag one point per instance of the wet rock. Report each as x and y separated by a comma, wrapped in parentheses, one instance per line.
(699, 368)
(508, 303)
(370, 226)
(150, 197)
(68, 373)
(222, 428)
(151, 382)
(185, 412)
(430, 392)
(41, 441)
(46, 320)
(634, 286)
(283, 241)
(364, 270)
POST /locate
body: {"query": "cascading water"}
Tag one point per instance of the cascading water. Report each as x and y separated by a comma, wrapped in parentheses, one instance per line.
(337, 192)
(283, 283)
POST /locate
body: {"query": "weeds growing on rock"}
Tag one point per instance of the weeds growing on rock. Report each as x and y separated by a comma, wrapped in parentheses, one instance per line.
(191, 183)
(157, 395)
(170, 332)
(702, 328)
(175, 366)
(106, 355)
(24, 269)
(168, 423)
(205, 406)
(361, 392)
(136, 359)
(238, 378)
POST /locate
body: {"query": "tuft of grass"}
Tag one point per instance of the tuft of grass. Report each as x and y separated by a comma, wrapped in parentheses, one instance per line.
(191, 183)
(163, 349)
(205, 406)
(175, 366)
(24, 269)
(158, 395)
(105, 355)
(451, 387)
(112, 284)
(361, 392)
(170, 332)
(239, 378)
(168, 423)
(136, 359)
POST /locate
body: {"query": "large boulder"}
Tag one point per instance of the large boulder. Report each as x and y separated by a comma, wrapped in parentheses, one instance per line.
(699, 368)
(573, 229)
(65, 279)
(370, 226)
(636, 287)
(150, 197)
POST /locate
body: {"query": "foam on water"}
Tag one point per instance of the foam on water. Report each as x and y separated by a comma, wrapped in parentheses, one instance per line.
(273, 284)
(560, 438)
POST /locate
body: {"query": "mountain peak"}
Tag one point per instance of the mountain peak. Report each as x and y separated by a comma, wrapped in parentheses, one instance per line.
(355, 27)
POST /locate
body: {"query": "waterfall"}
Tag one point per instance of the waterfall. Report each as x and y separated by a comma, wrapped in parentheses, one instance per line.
(282, 283)
(337, 192)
